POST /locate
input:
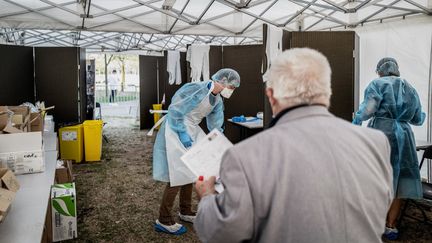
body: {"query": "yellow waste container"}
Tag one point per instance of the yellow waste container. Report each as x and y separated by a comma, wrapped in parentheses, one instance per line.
(157, 116)
(71, 143)
(93, 140)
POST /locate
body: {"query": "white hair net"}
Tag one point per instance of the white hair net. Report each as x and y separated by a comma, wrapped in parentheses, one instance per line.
(227, 76)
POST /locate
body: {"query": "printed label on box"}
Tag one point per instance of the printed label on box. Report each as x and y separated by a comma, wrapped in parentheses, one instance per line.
(23, 162)
(69, 136)
(64, 218)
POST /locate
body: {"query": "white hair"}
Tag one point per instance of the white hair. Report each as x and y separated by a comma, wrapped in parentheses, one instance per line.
(300, 76)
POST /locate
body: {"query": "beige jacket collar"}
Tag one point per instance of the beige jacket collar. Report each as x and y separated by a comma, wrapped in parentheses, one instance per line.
(302, 112)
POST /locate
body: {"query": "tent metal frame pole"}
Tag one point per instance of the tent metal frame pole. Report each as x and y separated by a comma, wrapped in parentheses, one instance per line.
(261, 14)
(298, 13)
(122, 9)
(36, 9)
(38, 12)
(370, 20)
(115, 21)
(181, 12)
(319, 21)
(180, 17)
(47, 39)
(55, 5)
(211, 24)
(103, 40)
(334, 20)
(375, 13)
(99, 44)
(398, 8)
(247, 13)
(166, 43)
(361, 5)
(180, 41)
(204, 12)
(256, 3)
(324, 18)
(316, 5)
(427, 11)
(205, 21)
(342, 9)
(126, 18)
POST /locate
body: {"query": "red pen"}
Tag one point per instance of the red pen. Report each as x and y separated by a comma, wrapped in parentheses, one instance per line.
(201, 178)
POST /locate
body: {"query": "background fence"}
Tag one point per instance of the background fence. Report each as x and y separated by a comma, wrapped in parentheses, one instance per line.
(129, 93)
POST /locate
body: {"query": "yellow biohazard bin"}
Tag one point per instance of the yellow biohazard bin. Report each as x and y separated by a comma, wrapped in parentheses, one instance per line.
(157, 116)
(71, 143)
(93, 140)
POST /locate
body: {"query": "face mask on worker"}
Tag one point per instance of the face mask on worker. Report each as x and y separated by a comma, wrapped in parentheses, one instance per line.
(226, 93)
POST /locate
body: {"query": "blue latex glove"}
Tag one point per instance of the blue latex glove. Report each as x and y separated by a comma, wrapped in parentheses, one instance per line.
(185, 139)
(239, 119)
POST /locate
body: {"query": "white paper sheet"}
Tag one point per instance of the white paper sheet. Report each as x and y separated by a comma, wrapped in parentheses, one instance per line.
(205, 157)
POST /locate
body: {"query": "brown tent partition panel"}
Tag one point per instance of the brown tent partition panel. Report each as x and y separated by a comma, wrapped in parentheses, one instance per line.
(58, 78)
(17, 75)
(83, 85)
(248, 99)
(149, 85)
(342, 50)
(339, 47)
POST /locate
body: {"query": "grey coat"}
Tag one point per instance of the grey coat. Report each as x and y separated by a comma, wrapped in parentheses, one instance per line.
(311, 178)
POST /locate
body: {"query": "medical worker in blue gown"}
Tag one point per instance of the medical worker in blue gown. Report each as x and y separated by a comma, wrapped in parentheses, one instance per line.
(180, 130)
(393, 104)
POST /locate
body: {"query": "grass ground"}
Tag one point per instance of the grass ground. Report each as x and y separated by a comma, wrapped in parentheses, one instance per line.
(118, 200)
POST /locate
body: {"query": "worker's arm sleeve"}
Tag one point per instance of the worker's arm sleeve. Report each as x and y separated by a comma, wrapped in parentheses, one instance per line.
(370, 104)
(184, 101)
(227, 217)
(216, 118)
(419, 116)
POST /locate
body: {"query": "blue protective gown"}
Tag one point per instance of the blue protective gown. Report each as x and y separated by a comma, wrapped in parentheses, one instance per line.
(186, 99)
(393, 104)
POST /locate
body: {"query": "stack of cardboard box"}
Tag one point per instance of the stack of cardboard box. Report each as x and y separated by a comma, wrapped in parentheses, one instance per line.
(8, 188)
(63, 172)
(18, 119)
(21, 140)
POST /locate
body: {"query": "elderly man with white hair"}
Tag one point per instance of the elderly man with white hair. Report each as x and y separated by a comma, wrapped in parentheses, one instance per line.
(310, 177)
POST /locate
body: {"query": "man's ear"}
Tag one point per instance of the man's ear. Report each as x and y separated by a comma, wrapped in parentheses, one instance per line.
(269, 93)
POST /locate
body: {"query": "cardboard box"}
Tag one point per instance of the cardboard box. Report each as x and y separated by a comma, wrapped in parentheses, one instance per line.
(8, 188)
(23, 162)
(20, 117)
(4, 117)
(22, 152)
(8, 180)
(64, 172)
(6, 199)
(47, 233)
(64, 213)
(36, 122)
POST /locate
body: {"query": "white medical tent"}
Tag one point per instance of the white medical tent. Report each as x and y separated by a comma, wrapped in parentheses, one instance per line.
(396, 28)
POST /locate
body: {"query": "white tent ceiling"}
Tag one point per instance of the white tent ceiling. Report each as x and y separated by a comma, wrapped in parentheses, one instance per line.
(119, 25)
